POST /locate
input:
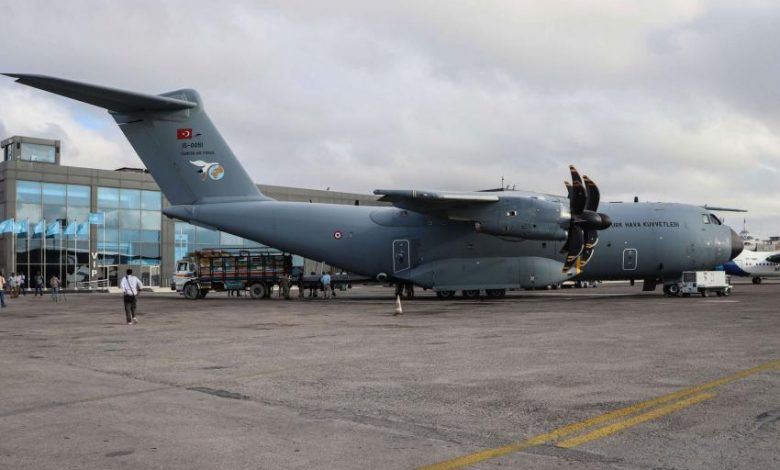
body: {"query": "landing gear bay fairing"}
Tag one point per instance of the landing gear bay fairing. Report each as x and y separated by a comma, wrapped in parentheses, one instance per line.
(447, 241)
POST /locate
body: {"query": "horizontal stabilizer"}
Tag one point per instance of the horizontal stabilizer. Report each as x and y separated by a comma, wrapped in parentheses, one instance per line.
(109, 98)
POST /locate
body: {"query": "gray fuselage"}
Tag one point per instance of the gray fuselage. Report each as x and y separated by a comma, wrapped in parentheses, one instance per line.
(646, 241)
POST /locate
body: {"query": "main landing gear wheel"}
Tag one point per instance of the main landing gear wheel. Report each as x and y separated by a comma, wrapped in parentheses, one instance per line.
(445, 294)
(756, 280)
(257, 290)
(191, 291)
(471, 294)
(495, 293)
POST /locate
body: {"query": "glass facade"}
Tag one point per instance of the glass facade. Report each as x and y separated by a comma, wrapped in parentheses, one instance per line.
(133, 222)
(47, 208)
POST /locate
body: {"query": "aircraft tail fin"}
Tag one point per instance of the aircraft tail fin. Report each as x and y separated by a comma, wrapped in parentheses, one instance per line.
(172, 135)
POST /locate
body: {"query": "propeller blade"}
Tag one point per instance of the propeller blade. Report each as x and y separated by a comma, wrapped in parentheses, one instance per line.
(584, 198)
(579, 198)
(593, 194)
(576, 245)
(568, 189)
(575, 175)
(591, 240)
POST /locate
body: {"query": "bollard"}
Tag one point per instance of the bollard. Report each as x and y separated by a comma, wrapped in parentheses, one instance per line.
(398, 309)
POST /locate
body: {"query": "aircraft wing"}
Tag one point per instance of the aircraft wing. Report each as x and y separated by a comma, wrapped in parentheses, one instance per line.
(432, 201)
(774, 258)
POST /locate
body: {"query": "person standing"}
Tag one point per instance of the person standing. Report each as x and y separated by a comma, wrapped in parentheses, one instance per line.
(38, 282)
(313, 286)
(325, 280)
(22, 281)
(12, 285)
(2, 290)
(131, 287)
(54, 283)
(284, 287)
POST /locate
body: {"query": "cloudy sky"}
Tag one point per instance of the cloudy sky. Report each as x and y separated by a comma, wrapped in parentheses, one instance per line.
(667, 100)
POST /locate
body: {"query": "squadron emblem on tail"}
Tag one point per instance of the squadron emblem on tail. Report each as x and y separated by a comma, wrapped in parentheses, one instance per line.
(213, 170)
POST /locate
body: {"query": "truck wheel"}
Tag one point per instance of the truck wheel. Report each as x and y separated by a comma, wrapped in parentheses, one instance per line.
(672, 289)
(471, 294)
(445, 294)
(727, 292)
(191, 291)
(257, 290)
(705, 293)
(495, 293)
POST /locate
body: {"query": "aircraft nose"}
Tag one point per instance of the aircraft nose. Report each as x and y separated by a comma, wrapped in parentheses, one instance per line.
(736, 244)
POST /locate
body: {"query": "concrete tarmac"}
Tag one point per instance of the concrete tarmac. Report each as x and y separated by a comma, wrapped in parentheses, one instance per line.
(578, 378)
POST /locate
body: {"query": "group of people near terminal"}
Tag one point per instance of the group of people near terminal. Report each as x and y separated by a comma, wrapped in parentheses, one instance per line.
(16, 284)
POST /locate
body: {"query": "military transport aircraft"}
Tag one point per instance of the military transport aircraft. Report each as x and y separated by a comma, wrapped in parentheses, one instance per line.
(444, 240)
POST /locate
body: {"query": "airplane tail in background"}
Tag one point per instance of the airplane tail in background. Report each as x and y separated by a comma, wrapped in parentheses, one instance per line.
(174, 137)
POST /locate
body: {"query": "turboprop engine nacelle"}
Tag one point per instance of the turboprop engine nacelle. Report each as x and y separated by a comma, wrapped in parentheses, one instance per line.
(531, 218)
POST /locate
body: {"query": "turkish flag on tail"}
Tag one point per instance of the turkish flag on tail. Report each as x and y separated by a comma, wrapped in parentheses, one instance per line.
(183, 134)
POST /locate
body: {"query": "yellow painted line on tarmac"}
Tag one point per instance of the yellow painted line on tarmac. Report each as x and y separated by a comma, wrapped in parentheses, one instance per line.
(633, 421)
(487, 454)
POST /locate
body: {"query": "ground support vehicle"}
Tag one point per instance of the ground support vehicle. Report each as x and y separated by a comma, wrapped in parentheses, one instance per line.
(223, 270)
(701, 282)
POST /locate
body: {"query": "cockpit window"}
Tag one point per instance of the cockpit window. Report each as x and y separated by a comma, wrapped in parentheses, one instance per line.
(705, 218)
(715, 220)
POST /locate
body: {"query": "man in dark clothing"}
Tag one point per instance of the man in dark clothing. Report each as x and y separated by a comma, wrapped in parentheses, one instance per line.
(38, 282)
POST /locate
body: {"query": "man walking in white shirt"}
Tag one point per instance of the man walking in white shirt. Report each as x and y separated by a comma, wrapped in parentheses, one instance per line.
(131, 287)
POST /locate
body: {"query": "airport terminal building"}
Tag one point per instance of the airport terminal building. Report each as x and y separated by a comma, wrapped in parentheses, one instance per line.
(87, 225)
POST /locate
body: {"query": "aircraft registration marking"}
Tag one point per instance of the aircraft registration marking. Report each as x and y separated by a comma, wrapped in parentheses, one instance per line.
(623, 420)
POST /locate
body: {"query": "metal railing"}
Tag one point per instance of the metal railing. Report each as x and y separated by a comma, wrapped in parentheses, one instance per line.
(100, 284)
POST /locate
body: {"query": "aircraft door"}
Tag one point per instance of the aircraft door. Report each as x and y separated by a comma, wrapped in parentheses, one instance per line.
(400, 255)
(629, 259)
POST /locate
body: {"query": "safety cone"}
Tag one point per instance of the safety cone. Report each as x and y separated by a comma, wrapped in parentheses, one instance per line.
(398, 309)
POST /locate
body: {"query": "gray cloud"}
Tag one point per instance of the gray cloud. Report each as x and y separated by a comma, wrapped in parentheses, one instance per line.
(670, 101)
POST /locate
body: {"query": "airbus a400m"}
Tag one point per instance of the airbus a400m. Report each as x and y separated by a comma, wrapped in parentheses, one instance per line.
(448, 241)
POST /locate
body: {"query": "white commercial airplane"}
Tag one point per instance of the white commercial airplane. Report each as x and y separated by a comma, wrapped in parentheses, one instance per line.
(757, 264)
